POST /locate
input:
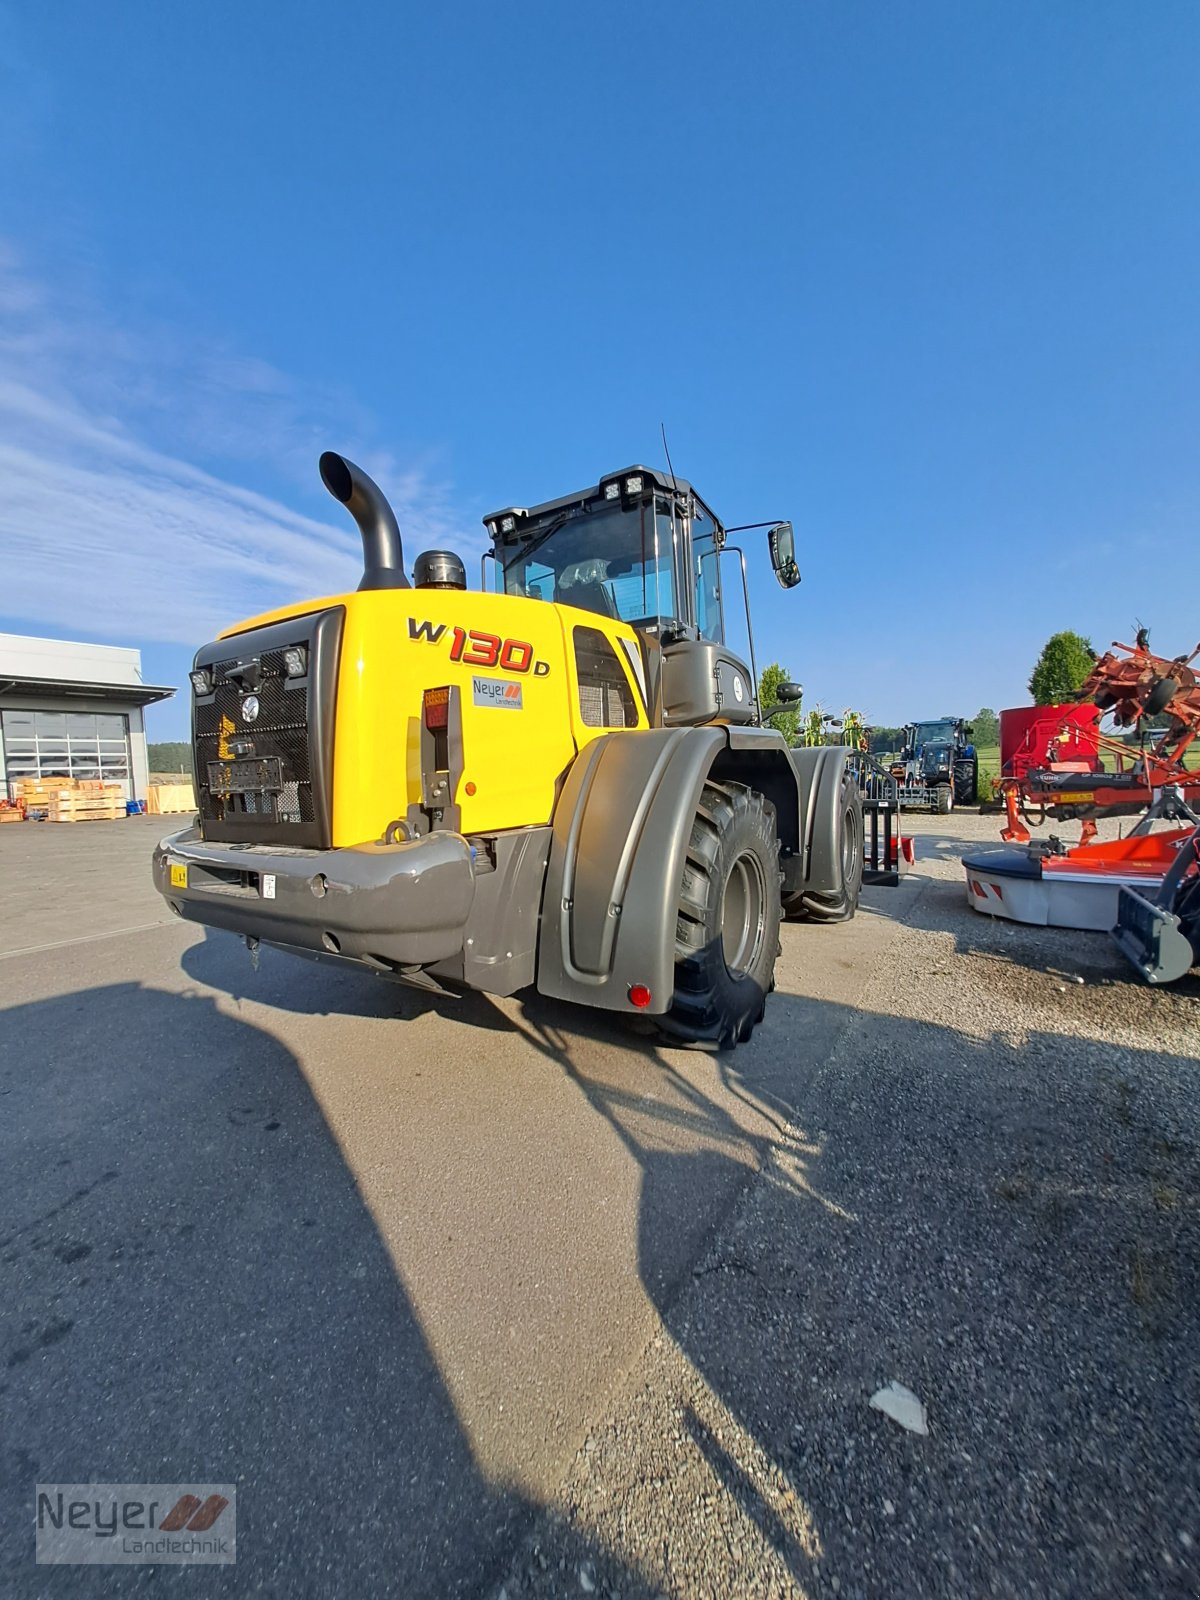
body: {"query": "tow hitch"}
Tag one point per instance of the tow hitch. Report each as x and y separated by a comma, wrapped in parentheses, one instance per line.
(1150, 933)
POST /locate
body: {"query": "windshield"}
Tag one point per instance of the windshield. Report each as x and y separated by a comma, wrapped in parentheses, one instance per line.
(602, 559)
(940, 732)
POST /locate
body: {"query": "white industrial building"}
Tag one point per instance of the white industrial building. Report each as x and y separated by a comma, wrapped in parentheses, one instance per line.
(73, 711)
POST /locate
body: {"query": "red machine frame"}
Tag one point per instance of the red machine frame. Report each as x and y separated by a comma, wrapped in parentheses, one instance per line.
(1130, 686)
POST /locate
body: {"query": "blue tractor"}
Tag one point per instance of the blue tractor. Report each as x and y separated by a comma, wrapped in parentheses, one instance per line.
(938, 766)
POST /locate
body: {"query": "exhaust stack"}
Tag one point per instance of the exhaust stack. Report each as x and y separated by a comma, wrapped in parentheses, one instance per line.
(383, 555)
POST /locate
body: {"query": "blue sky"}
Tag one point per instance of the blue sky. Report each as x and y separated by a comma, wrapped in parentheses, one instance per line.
(920, 276)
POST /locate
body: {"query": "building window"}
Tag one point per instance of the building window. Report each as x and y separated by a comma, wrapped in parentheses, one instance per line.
(605, 698)
(66, 744)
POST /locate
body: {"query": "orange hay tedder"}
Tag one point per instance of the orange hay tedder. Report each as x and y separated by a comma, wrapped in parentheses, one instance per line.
(1132, 685)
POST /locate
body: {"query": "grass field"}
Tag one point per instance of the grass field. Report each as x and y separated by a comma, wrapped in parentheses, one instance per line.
(989, 765)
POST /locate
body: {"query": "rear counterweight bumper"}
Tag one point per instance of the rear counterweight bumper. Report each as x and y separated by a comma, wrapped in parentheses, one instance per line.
(384, 905)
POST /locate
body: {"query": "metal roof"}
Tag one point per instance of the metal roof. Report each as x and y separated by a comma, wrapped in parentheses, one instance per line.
(128, 694)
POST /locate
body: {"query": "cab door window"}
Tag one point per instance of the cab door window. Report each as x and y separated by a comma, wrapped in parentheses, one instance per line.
(710, 617)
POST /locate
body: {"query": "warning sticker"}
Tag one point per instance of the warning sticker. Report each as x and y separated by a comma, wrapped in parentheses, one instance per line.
(497, 692)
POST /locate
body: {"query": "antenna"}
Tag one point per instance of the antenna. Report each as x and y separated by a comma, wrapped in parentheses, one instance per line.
(667, 453)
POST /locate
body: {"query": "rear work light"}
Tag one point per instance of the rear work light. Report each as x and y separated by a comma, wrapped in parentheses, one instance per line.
(201, 680)
(295, 661)
(435, 708)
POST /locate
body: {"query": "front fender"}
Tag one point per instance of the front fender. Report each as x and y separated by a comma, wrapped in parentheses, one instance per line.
(621, 829)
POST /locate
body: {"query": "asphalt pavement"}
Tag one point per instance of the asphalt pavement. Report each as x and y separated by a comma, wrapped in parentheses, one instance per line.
(470, 1296)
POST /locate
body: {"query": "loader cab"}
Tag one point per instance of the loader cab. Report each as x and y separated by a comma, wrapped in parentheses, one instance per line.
(636, 548)
(643, 549)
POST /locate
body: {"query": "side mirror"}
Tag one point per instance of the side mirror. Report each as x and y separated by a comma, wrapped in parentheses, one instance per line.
(787, 693)
(782, 542)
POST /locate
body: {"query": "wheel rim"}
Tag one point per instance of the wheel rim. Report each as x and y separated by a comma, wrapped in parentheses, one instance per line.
(849, 851)
(742, 907)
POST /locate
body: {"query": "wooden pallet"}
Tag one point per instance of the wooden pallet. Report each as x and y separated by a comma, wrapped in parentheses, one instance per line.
(87, 802)
(87, 816)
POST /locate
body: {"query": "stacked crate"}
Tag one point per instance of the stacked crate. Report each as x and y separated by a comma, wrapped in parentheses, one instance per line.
(33, 794)
(87, 802)
(69, 800)
(170, 799)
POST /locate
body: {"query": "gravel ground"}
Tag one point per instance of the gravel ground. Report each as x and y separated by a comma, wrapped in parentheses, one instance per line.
(986, 1190)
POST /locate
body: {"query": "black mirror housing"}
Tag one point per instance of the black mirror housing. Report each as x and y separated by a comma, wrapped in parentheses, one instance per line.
(787, 693)
(782, 542)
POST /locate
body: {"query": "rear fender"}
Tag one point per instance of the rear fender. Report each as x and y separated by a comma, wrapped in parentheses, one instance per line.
(805, 787)
(816, 862)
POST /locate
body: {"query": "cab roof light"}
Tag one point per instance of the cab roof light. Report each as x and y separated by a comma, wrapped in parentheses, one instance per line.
(506, 522)
(628, 487)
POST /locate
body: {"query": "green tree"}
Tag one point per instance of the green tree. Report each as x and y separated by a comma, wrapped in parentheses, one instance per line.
(171, 756)
(788, 722)
(1062, 666)
(987, 726)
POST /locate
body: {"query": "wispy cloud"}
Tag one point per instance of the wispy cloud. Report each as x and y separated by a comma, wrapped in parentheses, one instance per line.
(109, 529)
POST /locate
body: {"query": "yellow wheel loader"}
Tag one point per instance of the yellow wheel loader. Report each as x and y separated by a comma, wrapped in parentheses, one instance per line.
(562, 780)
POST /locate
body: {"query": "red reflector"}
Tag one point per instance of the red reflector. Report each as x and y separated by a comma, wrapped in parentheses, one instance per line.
(436, 709)
(639, 996)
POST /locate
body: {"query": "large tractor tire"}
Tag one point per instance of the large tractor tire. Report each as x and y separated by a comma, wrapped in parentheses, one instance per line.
(839, 904)
(945, 799)
(966, 782)
(727, 926)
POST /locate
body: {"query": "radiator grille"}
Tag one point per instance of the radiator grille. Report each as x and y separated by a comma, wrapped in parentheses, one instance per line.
(280, 729)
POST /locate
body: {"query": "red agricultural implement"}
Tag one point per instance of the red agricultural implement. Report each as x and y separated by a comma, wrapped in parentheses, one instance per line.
(1061, 738)
(1054, 767)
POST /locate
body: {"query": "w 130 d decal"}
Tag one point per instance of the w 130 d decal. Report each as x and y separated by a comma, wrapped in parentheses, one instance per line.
(475, 649)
